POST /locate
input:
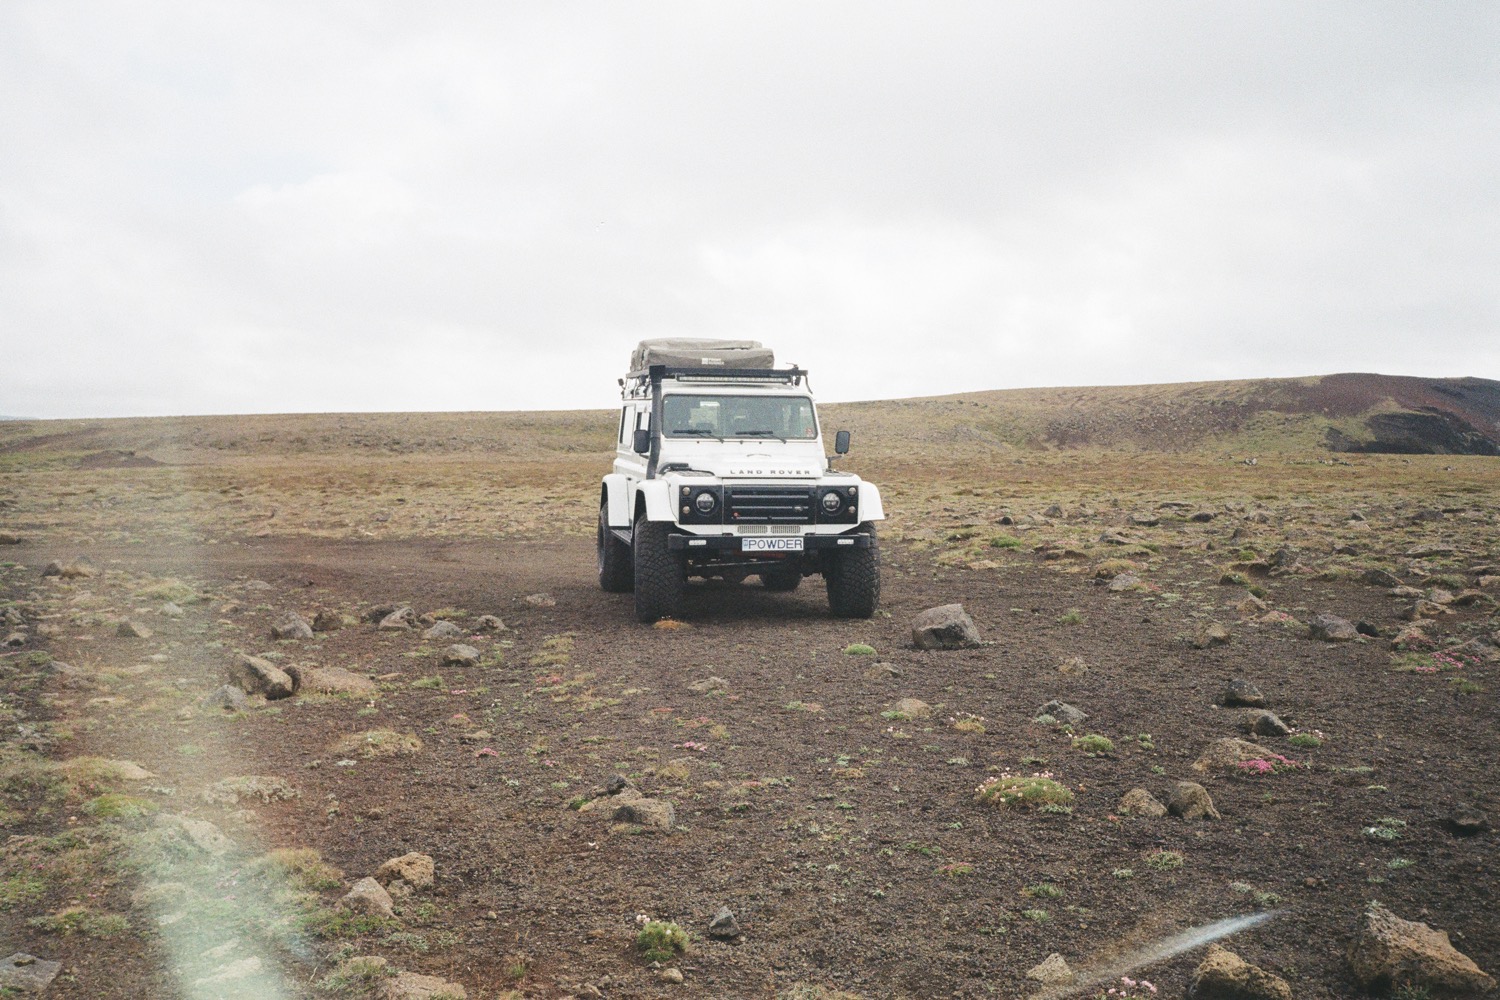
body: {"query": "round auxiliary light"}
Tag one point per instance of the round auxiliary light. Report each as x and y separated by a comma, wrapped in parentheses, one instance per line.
(831, 503)
(705, 502)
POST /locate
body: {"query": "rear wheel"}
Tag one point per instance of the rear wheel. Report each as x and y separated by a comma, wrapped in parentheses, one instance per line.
(660, 573)
(853, 579)
(616, 574)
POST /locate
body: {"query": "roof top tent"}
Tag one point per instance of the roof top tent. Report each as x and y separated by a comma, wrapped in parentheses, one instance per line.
(686, 352)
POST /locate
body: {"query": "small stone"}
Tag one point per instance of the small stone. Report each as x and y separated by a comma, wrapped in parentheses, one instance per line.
(1262, 722)
(1123, 582)
(670, 975)
(460, 655)
(132, 630)
(1211, 636)
(723, 925)
(1225, 754)
(1240, 693)
(255, 675)
(327, 621)
(540, 600)
(1331, 628)
(1073, 666)
(227, 698)
(945, 627)
(1064, 713)
(443, 630)
(1190, 800)
(657, 814)
(1380, 578)
(1053, 971)
(1139, 802)
(1223, 975)
(170, 610)
(27, 974)
(913, 708)
(709, 685)
(414, 986)
(489, 623)
(335, 680)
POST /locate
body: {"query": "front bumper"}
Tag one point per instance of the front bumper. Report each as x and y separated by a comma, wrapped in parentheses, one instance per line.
(731, 543)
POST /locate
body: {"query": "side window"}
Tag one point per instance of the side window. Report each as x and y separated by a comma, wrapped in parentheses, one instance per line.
(624, 413)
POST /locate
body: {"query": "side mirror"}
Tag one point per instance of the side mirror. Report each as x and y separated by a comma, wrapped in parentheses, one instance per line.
(642, 441)
(841, 443)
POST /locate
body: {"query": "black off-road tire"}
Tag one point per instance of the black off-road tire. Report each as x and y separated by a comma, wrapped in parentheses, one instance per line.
(781, 580)
(853, 579)
(616, 574)
(660, 573)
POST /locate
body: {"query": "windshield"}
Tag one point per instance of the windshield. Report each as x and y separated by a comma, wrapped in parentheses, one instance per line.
(785, 417)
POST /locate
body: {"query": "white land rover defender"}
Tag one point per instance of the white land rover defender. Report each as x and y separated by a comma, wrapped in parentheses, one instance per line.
(720, 472)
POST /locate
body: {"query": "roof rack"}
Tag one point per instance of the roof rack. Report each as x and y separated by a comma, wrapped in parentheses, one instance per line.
(656, 374)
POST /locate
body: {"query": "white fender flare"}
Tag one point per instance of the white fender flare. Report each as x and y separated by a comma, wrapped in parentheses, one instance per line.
(658, 496)
(870, 508)
(617, 500)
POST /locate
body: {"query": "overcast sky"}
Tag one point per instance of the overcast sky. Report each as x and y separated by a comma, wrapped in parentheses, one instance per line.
(347, 206)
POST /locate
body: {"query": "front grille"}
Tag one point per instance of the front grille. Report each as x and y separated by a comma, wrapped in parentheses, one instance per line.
(768, 505)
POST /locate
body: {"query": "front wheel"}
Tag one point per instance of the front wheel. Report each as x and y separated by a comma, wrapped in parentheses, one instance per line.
(660, 573)
(853, 579)
(616, 575)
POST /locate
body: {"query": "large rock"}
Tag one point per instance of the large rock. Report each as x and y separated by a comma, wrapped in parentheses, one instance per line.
(945, 627)
(1191, 800)
(336, 680)
(913, 708)
(415, 869)
(1053, 971)
(254, 675)
(724, 926)
(1223, 975)
(444, 630)
(1262, 722)
(1240, 693)
(460, 655)
(1064, 713)
(1388, 951)
(399, 620)
(656, 814)
(1332, 628)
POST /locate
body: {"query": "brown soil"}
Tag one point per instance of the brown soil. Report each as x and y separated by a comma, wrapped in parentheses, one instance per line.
(848, 843)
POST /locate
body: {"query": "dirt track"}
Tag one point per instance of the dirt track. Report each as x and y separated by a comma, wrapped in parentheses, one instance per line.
(847, 842)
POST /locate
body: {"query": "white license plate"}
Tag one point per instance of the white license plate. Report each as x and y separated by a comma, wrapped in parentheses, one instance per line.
(789, 544)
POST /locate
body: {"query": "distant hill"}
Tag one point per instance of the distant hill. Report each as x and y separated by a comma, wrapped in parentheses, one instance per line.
(1332, 413)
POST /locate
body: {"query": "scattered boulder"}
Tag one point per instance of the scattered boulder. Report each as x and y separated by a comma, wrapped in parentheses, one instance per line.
(27, 974)
(444, 630)
(1210, 636)
(656, 814)
(540, 600)
(291, 626)
(1123, 582)
(945, 627)
(254, 675)
(1139, 802)
(913, 708)
(1053, 971)
(489, 623)
(79, 568)
(399, 620)
(9, 538)
(14, 640)
(1064, 713)
(1223, 755)
(724, 926)
(1331, 628)
(369, 896)
(414, 986)
(327, 621)
(1388, 951)
(1223, 975)
(1380, 578)
(265, 788)
(460, 655)
(227, 698)
(1190, 800)
(335, 680)
(415, 869)
(1423, 609)
(1240, 693)
(1465, 820)
(1413, 637)
(709, 685)
(1262, 722)
(170, 610)
(128, 629)
(1073, 666)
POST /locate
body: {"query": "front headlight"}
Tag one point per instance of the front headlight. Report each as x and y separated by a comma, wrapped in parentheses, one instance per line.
(832, 502)
(705, 502)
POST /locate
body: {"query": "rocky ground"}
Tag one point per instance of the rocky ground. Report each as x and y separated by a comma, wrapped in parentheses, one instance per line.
(502, 788)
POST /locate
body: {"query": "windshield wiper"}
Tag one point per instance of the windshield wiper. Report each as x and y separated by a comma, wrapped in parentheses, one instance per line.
(693, 432)
(763, 434)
